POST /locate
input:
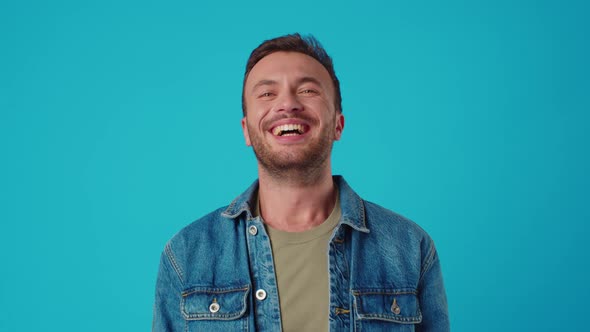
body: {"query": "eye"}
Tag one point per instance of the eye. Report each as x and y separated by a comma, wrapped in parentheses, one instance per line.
(308, 91)
(265, 95)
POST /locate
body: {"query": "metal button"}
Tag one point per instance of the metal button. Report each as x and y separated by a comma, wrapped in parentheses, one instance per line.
(395, 308)
(253, 230)
(261, 294)
(214, 307)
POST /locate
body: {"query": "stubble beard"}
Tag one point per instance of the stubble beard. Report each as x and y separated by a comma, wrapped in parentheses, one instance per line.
(303, 165)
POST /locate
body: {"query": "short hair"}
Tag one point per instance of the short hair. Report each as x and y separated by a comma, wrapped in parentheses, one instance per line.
(307, 45)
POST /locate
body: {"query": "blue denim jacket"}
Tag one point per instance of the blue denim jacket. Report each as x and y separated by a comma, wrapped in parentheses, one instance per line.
(217, 274)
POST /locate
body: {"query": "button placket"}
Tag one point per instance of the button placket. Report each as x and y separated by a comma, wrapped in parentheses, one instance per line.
(263, 293)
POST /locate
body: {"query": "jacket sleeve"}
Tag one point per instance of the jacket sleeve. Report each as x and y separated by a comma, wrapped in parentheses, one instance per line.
(167, 316)
(432, 296)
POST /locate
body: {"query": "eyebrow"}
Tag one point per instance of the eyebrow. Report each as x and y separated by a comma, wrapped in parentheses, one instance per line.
(263, 83)
(309, 79)
(305, 79)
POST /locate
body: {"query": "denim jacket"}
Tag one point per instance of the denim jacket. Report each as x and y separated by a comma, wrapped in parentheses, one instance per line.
(217, 274)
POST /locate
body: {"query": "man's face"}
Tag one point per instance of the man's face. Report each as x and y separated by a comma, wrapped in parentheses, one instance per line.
(291, 120)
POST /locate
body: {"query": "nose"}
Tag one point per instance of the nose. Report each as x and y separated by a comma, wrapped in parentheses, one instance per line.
(288, 102)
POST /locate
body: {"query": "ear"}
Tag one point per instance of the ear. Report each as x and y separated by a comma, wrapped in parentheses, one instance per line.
(245, 130)
(339, 126)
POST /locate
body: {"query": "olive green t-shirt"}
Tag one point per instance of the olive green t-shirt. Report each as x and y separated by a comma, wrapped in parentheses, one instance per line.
(301, 267)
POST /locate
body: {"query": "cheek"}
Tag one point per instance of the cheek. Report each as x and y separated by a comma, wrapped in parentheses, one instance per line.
(327, 112)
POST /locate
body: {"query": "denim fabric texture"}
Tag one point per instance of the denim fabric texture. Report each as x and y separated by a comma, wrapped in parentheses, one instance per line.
(384, 273)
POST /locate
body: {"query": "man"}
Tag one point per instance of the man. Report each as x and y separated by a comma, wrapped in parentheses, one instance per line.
(299, 250)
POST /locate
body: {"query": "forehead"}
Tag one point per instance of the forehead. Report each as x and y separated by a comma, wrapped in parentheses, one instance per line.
(290, 65)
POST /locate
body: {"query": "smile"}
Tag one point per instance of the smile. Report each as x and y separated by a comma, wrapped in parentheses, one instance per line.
(289, 130)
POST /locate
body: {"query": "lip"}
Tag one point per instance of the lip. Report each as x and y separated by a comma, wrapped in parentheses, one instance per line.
(288, 121)
(289, 139)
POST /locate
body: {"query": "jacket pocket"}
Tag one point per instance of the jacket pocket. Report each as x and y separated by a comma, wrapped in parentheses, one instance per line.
(386, 309)
(214, 308)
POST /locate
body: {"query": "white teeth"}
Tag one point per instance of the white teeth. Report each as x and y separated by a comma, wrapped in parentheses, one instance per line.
(278, 130)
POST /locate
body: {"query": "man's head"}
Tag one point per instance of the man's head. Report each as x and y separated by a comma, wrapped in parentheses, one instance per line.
(307, 45)
(292, 111)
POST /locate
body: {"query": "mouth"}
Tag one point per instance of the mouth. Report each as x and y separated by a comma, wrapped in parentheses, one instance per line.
(290, 129)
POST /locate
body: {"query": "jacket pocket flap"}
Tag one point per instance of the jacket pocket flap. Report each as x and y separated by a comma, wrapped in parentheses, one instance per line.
(397, 305)
(200, 303)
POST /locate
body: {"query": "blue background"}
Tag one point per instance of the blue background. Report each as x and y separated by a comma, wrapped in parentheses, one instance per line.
(120, 124)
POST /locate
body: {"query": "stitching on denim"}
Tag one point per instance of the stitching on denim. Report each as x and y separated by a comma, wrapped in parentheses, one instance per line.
(208, 290)
(175, 265)
(343, 251)
(229, 210)
(363, 216)
(402, 319)
(335, 268)
(233, 211)
(216, 316)
(202, 316)
(378, 291)
(359, 222)
(430, 258)
(387, 317)
(181, 309)
(235, 214)
(245, 319)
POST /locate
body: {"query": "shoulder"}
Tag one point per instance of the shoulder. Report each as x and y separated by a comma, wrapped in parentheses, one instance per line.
(202, 235)
(203, 227)
(369, 217)
(383, 219)
(213, 242)
(218, 231)
(391, 229)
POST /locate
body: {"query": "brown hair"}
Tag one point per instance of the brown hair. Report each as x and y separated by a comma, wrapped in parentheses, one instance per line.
(307, 45)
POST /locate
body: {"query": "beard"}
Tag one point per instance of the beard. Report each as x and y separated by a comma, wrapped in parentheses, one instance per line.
(298, 163)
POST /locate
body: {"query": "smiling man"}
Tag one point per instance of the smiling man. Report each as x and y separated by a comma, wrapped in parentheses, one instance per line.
(299, 250)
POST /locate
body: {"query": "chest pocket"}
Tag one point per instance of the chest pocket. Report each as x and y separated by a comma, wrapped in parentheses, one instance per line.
(386, 309)
(215, 309)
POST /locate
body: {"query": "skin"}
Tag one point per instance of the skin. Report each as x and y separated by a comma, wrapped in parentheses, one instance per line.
(295, 174)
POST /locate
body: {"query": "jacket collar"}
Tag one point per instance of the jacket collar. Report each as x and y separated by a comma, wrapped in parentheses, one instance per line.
(352, 206)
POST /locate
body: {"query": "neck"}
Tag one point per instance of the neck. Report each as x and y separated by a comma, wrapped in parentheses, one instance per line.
(295, 206)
